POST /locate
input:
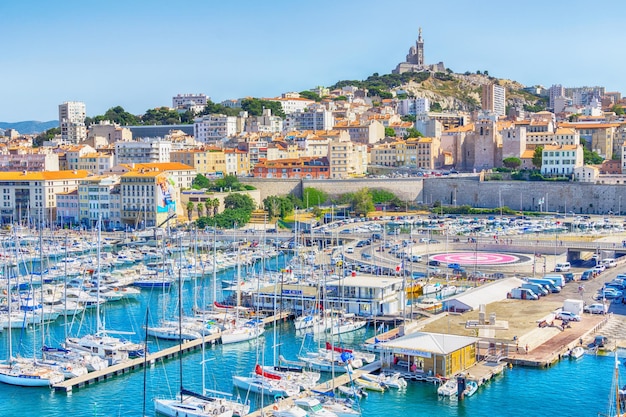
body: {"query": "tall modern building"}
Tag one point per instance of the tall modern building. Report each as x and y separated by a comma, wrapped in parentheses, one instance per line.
(72, 121)
(494, 99)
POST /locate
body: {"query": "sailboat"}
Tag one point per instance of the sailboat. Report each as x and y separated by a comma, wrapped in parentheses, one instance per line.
(113, 349)
(239, 330)
(189, 403)
(24, 372)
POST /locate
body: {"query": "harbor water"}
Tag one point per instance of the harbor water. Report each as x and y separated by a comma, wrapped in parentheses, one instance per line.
(572, 388)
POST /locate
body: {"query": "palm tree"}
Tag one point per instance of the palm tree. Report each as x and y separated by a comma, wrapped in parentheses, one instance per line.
(200, 208)
(216, 206)
(208, 206)
(190, 207)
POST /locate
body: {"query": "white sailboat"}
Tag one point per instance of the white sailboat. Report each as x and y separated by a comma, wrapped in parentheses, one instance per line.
(101, 344)
(24, 372)
(189, 403)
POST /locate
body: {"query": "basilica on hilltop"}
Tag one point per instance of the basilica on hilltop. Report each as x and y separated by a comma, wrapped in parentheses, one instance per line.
(415, 60)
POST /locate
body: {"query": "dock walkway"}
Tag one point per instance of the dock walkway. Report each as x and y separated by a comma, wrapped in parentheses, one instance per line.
(151, 358)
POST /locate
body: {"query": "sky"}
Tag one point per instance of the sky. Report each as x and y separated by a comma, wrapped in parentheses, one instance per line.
(138, 54)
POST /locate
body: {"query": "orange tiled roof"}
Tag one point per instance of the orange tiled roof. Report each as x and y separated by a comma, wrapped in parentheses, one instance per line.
(43, 175)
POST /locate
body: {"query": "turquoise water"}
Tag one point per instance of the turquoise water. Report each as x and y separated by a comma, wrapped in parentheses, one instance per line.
(570, 388)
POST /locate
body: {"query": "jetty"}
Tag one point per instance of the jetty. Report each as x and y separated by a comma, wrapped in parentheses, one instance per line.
(150, 359)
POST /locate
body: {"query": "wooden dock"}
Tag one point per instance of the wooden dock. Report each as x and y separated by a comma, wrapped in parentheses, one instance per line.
(134, 364)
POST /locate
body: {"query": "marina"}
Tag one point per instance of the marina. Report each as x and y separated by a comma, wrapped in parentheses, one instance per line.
(279, 339)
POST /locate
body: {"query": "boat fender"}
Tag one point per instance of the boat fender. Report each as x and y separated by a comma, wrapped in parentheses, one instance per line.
(222, 409)
(215, 412)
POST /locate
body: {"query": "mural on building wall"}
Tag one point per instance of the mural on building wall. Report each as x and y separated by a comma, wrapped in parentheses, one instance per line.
(166, 193)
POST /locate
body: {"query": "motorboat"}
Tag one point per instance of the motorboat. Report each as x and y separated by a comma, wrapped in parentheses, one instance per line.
(394, 380)
(470, 388)
(369, 385)
(313, 407)
(577, 352)
(193, 405)
(449, 389)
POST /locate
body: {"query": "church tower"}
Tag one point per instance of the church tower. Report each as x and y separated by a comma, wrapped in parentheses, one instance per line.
(420, 49)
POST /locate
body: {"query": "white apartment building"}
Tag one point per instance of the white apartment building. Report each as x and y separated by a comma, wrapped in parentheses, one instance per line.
(186, 101)
(149, 151)
(29, 195)
(292, 104)
(420, 105)
(72, 121)
(561, 159)
(346, 159)
(311, 119)
(214, 127)
(68, 212)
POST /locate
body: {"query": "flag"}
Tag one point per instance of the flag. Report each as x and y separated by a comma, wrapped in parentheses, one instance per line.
(400, 266)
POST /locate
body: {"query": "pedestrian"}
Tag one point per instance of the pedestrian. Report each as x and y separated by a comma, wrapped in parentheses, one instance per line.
(517, 347)
(527, 349)
(581, 341)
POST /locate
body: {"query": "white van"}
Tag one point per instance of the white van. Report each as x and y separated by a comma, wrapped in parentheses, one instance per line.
(416, 258)
(562, 267)
(609, 262)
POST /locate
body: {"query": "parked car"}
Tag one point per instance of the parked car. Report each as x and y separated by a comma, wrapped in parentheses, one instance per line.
(596, 308)
(587, 275)
(566, 315)
(598, 342)
(609, 293)
(569, 276)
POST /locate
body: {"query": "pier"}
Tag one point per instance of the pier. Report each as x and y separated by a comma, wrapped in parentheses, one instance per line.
(151, 358)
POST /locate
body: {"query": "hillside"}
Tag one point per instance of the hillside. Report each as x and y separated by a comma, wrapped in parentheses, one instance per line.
(30, 127)
(451, 91)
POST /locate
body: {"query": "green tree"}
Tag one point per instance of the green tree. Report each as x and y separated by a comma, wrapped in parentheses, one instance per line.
(47, 135)
(618, 109)
(200, 208)
(310, 95)
(436, 107)
(255, 106)
(216, 206)
(190, 207)
(313, 197)
(200, 182)
(390, 133)
(239, 202)
(160, 116)
(413, 133)
(512, 162)
(538, 156)
(272, 205)
(362, 202)
(591, 157)
(208, 206)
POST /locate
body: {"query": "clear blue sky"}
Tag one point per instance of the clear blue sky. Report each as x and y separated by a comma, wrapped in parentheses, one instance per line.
(138, 54)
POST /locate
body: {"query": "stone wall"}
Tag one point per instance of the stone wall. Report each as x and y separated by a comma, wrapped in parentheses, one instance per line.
(581, 198)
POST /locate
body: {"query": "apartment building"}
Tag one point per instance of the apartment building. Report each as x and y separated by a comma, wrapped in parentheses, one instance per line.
(97, 162)
(72, 121)
(310, 119)
(561, 160)
(146, 151)
(209, 161)
(112, 132)
(237, 162)
(493, 99)
(305, 167)
(32, 195)
(214, 127)
(95, 202)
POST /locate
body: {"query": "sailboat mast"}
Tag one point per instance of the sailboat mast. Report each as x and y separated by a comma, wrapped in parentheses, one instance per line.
(214, 266)
(180, 326)
(98, 322)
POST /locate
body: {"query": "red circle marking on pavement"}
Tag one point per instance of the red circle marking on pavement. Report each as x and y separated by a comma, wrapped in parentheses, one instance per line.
(475, 258)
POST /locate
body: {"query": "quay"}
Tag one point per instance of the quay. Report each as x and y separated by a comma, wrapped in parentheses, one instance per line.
(151, 358)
